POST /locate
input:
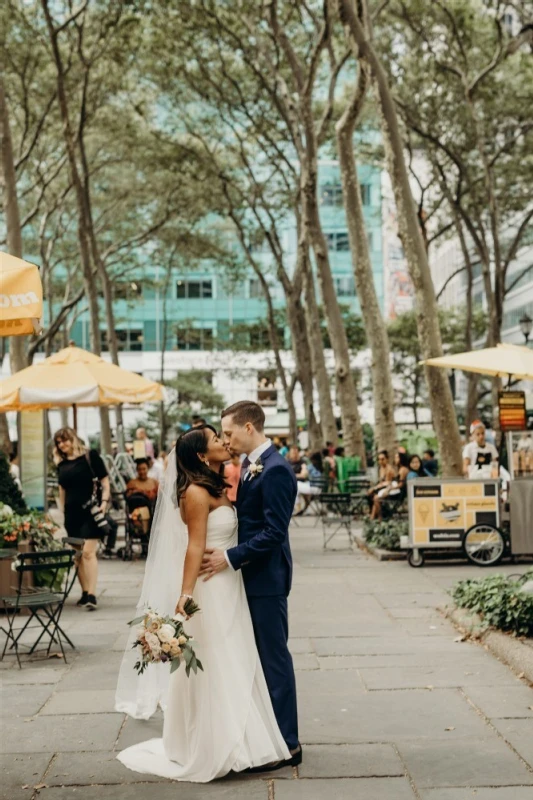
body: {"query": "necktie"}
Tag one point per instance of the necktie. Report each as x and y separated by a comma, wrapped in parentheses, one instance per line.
(244, 467)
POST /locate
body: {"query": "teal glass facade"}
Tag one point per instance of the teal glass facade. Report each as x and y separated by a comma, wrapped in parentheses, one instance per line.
(200, 309)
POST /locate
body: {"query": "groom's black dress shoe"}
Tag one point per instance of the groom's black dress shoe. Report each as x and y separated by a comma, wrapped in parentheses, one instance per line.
(294, 761)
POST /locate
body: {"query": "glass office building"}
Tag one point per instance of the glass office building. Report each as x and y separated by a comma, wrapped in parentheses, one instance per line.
(201, 309)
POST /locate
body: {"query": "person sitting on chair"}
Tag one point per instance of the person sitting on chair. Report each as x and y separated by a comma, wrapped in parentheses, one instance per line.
(142, 484)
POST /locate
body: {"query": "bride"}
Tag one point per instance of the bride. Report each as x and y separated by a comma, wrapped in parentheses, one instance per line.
(220, 719)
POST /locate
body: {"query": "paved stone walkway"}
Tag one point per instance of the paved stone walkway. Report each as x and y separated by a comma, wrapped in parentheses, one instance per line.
(392, 706)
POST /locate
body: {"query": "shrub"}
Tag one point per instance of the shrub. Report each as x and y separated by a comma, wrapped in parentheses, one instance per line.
(499, 601)
(385, 533)
(10, 493)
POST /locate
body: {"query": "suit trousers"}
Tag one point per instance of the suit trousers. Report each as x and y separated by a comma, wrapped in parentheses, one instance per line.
(271, 628)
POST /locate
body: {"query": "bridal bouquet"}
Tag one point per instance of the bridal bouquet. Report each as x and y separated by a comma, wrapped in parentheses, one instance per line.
(163, 639)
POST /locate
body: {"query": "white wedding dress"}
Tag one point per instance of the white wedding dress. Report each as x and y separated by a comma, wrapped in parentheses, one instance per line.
(222, 718)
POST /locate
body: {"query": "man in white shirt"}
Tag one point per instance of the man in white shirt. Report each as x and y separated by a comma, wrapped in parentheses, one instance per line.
(480, 458)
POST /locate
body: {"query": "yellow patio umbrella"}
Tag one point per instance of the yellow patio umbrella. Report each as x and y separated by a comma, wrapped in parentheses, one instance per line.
(21, 297)
(74, 377)
(504, 360)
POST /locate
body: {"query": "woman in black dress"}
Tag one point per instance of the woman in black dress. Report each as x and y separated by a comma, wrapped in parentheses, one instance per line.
(77, 469)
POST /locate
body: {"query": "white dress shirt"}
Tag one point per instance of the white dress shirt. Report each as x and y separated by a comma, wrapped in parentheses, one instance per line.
(254, 456)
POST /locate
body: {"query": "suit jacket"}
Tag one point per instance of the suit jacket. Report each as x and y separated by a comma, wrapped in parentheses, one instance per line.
(265, 503)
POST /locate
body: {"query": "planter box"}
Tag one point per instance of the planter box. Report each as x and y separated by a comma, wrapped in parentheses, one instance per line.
(8, 578)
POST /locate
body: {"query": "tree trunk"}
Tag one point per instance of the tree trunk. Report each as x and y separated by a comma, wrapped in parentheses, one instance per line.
(440, 397)
(17, 354)
(364, 279)
(83, 227)
(318, 361)
(302, 355)
(346, 390)
(5, 439)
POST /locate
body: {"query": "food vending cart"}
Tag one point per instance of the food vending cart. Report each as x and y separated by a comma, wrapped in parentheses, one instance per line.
(456, 515)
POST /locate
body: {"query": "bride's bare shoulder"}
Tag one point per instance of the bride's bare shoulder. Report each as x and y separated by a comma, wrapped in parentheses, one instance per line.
(195, 501)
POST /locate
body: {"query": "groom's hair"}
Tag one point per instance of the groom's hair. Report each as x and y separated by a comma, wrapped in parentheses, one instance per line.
(246, 411)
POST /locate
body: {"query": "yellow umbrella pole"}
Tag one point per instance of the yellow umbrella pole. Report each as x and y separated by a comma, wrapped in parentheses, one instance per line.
(75, 417)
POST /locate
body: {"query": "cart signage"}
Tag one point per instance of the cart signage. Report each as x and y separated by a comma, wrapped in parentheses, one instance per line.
(441, 512)
(512, 411)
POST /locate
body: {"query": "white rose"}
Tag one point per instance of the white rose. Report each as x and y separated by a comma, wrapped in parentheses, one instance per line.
(5, 511)
(166, 633)
(153, 643)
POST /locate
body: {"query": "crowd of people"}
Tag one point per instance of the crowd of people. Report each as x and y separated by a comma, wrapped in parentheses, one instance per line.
(85, 490)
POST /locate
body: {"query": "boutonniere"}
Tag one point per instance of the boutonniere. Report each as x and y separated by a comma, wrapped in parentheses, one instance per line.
(255, 469)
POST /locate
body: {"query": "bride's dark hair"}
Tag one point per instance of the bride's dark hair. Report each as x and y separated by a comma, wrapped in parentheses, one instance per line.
(191, 468)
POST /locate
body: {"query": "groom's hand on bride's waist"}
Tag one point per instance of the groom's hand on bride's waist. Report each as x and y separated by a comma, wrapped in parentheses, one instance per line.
(213, 561)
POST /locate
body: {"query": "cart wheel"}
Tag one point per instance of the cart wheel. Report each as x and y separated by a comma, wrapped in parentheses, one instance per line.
(416, 558)
(484, 545)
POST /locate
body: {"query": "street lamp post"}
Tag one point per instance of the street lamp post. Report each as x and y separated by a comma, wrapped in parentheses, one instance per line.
(526, 324)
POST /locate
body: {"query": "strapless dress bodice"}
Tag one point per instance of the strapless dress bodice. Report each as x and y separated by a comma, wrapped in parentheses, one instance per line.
(222, 528)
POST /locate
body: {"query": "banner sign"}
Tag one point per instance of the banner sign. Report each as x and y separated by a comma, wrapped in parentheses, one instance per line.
(32, 455)
(441, 511)
(512, 411)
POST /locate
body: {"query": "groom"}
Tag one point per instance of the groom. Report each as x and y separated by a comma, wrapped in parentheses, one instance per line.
(265, 502)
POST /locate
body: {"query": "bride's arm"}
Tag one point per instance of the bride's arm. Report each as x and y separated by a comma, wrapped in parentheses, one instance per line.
(196, 515)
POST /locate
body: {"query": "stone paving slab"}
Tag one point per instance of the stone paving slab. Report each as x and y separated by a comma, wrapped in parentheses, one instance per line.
(387, 716)
(23, 701)
(63, 733)
(350, 761)
(18, 770)
(162, 791)
(92, 678)
(438, 676)
(345, 789)
(474, 657)
(464, 762)
(477, 793)
(519, 733)
(387, 645)
(31, 674)
(81, 702)
(88, 768)
(135, 731)
(516, 701)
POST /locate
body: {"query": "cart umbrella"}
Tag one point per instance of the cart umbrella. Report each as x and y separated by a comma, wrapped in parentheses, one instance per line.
(504, 360)
(74, 377)
(21, 297)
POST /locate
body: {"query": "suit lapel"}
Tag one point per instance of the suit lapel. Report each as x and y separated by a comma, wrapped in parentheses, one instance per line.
(243, 485)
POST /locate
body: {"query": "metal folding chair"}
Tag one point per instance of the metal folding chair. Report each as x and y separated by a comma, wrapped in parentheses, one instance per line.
(44, 603)
(336, 515)
(358, 487)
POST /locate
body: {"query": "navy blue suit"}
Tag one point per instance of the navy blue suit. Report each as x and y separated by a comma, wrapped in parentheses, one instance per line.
(265, 503)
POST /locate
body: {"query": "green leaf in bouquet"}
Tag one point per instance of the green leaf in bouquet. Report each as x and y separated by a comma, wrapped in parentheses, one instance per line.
(136, 621)
(175, 664)
(199, 664)
(194, 666)
(188, 654)
(188, 670)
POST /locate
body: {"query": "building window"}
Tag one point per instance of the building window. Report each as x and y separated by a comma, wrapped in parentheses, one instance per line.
(194, 290)
(520, 277)
(195, 339)
(127, 340)
(331, 194)
(345, 287)
(338, 241)
(365, 193)
(255, 289)
(267, 394)
(511, 319)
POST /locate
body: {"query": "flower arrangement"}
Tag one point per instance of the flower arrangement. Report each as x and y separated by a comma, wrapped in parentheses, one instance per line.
(255, 469)
(33, 526)
(164, 640)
